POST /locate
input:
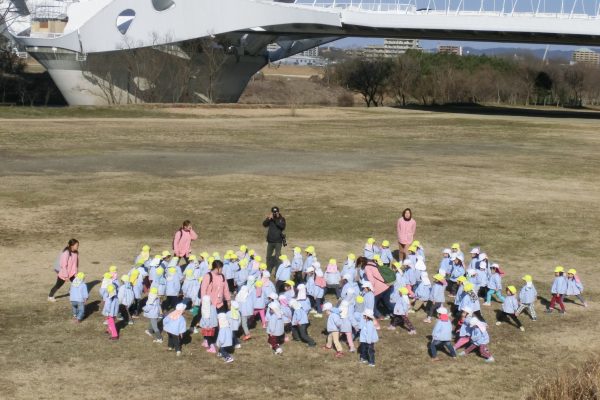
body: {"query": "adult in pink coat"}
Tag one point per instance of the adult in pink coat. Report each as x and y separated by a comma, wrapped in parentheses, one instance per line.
(381, 290)
(182, 240)
(215, 285)
(66, 269)
(406, 228)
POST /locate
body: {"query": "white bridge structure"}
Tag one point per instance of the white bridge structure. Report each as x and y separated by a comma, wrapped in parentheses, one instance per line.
(124, 51)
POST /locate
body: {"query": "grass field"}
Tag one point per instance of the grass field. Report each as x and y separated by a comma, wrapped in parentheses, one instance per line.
(525, 189)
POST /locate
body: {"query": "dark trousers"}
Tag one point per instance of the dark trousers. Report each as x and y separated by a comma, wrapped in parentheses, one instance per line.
(231, 285)
(225, 352)
(432, 308)
(506, 317)
(58, 285)
(402, 320)
(174, 342)
(298, 277)
(367, 352)
(273, 253)
(383, 298)
(300, 332)
(275, 341)
(172, 302)
(447, 344)
(479, 315)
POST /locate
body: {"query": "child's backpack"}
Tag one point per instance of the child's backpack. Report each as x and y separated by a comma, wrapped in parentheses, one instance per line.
(387, 274)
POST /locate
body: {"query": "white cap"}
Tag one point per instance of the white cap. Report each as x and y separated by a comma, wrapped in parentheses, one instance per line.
(453, 256)
(446, 251)
(471, 272)
(266, 274)
(475, 250)
(495, 265)
(482, 256)
(442, 310)
(273, 296)
(407, 262)
(474, 321)
(347, 277)
(235, 304)
(420, 266)
(367, 284)
(368, 313)
(310, 269)
(316, 264)
(180, 306)
(327, 306)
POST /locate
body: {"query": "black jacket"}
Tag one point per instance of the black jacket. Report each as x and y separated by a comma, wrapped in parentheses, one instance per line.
(275, 229)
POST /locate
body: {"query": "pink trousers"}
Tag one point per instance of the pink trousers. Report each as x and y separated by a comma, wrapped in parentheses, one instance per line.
(111, 327)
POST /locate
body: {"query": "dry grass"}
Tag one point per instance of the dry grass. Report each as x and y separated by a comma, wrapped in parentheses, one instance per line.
(581, 383)
(526, 189)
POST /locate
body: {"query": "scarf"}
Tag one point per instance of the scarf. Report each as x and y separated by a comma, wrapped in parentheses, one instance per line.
(151, 298)
(444, 317)
(301, 293)
(529, 284)
(105, 283)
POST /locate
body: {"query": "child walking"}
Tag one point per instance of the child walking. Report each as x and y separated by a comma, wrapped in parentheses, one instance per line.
(368, 338)
(208, 324)
(258, 300)
(126, 298)
(574, 286)
(175, 326)
(244, 300)
(510, 306)
(401, 307)
(300, 324)
(225, 338)
(334, 323)
(436, 299)
(275, 328)
(441, 335)
(558, 290)
(78, 295)
(527, 297)
(479, 340)
(494, 286)
(464, 329)
(152, 311)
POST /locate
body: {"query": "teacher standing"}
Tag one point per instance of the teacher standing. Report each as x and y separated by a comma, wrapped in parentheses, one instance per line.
(66, 268)
(406, 228)
(275, 224)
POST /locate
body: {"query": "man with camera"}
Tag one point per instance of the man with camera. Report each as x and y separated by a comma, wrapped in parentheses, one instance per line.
(275, 224)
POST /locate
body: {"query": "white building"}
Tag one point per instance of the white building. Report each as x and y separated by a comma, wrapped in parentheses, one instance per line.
(392, 47)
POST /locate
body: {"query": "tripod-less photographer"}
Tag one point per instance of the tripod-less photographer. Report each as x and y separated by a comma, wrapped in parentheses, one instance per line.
(275, 224)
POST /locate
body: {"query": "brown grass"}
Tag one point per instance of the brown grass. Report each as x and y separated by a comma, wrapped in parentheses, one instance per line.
(526, 189)
(581, 383)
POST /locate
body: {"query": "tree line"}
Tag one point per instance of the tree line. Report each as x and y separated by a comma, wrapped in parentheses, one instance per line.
(440, 78)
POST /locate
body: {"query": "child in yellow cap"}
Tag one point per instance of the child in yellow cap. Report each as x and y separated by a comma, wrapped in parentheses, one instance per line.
(297, 262)
(371, 249)
(153, 312)
(528, 297)
(111, 310)
(126, 298)
(401, 307)
(574, 286)
(78, 295)
(558, 290)
(510, 306)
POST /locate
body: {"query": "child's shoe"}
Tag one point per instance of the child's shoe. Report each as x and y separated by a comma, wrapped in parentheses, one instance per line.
(427, 320)
(170, 349)
(178, 353)
(130, 322)
(498, 323)
(238, 346)
(196, 330)
(339, 354)
(279, 351)
(412, 332)
(211, 349)
(245, 338)
(362, 361)
(205, 344)
(490, 360)
(325, 348)
(157, 341)
(391, 328)
(51, 299)
(229, 360)
(522, 329)
(487, 304)
(147, 332)
(352, 350)
(371, 365)
(585, 304)
(461, 354)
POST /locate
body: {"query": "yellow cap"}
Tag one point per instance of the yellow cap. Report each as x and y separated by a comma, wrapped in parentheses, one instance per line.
(379, 262)
(283, 257)
(110, 288)
(413, 249)
(216, 254)
(376, 257)
(397, 264)
(125, 278)
(360, 299)
(158, 256)
(189, 272)
(385, 243)
(134, 275)
(527, 278)
(403, 290)
(461, 279)
(251, 252)
(145, 248)
(258, 283)
(438, 277)
(244, 263)
(332, 261)
(243, 248)
(80, 275)
(468, 287)
(166, 253)
(210, 261)
(351, 256)
(172, 270)
(455, 246)
(310, 249)
(290, 282)
(233, 256)
(112, 268)
(297, 249)
(258, 258)
(160, 271)
(153, 290)
(204, 255)
(416, 243)
(107, 275)
(262, 266)
(559, 269)
(370, 240)
(512, 289)
(200, 280)
(192, 258)
(572, 271)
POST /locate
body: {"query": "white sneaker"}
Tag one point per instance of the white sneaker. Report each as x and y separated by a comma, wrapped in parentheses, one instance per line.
(487, 304)
(157, 341)
(104, 323)
(279, 351)
(196, 330)
(178, 353)
(238, 346)
(522, 329)
(147, 332)
(411, 311)
(312, 311)
(498, 323)
(229, 360)
(490, 360)
(51, 299)
(317, 315)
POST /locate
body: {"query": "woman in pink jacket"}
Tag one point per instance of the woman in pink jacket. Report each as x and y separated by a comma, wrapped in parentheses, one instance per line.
(182, 241)
(67, 266)
(381, 290)
(406, 228)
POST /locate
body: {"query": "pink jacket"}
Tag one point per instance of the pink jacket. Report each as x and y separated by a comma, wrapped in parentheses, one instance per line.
(373, 275)
(182, 242)
(406, 230)
(69, 262)
(215, 286)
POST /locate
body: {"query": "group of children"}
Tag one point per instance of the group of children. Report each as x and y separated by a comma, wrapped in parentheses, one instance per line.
(163, 287)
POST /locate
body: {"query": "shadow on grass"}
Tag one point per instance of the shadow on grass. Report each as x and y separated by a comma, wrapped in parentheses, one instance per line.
(92, 284)
(476, 109)
(91, 308)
